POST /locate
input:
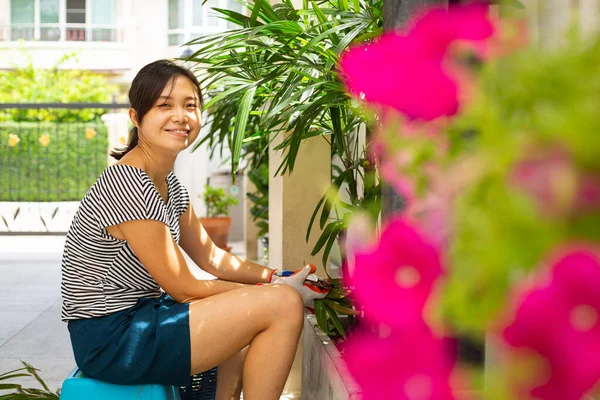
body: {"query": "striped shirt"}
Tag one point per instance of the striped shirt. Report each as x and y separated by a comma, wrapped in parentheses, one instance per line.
(100, 273)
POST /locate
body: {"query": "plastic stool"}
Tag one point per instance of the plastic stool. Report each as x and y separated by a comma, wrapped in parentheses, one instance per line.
(78, 387)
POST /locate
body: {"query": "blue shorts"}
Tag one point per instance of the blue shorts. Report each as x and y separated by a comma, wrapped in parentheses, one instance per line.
(147, 343)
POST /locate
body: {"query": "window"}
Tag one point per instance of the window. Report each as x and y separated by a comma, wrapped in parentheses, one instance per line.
(22, 14)
(176, 22)
(103, 21)
(58, 20)
(76, 20)
(185, 26)
(49, 29)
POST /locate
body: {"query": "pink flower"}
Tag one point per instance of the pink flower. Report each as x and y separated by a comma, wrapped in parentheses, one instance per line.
(406, 72)
(560, 321)
(394, 281)
(439, 28)
(389, 72)
(406, 366)
(551, 178)
(587, 198)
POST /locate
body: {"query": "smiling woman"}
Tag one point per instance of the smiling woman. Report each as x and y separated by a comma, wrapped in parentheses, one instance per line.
(136, 313)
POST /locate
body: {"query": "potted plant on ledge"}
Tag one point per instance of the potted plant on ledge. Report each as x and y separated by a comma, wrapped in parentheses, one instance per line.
(217, 221)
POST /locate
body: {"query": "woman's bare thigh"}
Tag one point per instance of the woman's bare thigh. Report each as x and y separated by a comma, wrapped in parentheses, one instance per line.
(223, 324)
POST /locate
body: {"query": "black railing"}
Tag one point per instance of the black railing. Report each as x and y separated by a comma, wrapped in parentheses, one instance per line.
(50, 154)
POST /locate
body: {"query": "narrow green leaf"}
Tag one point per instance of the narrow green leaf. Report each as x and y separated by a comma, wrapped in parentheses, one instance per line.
(11, 372)
(332, 238)
(312, 217)
(321, 315)
(340, 308)
(239, 130)
(7, 386)
(323, 238)
(336, 321)
(10, 376)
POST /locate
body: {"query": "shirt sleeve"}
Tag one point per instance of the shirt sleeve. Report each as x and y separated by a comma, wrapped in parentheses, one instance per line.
(125, 193)
(180, 195)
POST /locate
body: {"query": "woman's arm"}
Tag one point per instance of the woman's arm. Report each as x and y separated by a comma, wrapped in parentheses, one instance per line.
(155, 247)
(198, 245)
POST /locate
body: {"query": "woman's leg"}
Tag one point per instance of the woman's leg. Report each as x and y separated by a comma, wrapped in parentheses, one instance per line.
(229, 376)
(268, 318)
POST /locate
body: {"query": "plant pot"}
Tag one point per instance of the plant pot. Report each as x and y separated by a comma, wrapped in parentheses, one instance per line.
(218, 230)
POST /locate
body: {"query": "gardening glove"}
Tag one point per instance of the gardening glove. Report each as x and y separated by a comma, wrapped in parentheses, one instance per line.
(277, 273)
(307, 290)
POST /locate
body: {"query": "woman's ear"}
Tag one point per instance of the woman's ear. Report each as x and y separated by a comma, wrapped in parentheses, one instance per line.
(133, 115)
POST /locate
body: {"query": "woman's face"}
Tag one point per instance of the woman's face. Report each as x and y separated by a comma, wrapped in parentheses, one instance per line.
(173, 122)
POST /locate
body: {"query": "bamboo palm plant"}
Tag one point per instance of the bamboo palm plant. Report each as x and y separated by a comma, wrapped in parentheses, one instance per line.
(276, 73)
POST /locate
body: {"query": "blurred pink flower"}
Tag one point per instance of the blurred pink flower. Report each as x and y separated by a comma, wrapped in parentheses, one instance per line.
(439, 28)
(410, 365)
(403, 185)
(550, 177)
(406, 72)
(393, 282)
(560, 321)
(587, 198)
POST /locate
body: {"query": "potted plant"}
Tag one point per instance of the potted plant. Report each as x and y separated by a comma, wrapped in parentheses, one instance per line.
(217, 220)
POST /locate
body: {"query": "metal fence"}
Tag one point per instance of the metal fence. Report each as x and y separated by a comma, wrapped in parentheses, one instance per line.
(50, 154)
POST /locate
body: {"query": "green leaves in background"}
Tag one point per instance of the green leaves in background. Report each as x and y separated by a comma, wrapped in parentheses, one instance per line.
(21, 393)
(54, 85)
(61, 171)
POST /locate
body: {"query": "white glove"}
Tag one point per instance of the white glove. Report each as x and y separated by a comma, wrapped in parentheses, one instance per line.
(307, 291)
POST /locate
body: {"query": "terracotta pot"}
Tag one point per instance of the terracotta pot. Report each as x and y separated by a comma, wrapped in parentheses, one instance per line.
(218, 230)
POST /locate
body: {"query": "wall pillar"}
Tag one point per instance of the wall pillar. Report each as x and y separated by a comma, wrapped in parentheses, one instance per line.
(292, 200)
(589, 16)
(554, 20)
(117, 124)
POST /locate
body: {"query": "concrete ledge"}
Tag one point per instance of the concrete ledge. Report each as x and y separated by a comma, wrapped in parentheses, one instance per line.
(324, 373)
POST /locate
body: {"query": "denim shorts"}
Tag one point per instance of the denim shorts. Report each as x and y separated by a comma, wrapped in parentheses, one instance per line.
(147, 343)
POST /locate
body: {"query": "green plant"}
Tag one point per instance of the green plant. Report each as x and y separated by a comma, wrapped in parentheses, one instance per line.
(21, 393)
(53, 85)
(277, 74)
(260, 198)
(217, 201)
(50, 161)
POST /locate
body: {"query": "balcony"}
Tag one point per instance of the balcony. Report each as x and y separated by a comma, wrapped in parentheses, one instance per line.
(67, 32)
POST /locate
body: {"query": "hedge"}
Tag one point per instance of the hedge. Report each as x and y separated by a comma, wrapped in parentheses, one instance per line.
(63, 170)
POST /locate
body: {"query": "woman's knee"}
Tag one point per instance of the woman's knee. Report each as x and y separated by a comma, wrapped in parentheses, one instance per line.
(288, 296)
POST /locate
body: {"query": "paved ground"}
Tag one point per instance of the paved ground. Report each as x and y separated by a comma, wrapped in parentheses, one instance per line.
(30, 325)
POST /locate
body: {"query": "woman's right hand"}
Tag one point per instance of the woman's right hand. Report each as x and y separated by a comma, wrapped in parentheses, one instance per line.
(307, 291)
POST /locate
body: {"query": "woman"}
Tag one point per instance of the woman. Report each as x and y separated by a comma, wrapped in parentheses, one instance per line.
(135, 312)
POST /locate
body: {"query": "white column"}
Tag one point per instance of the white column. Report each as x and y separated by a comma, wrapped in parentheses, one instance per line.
(36, 19)
(555, 16)
(118, 131)
(292, 199)
(62, 19)
(589, 16)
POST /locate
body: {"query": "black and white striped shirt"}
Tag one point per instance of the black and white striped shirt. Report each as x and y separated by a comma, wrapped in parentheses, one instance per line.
(100, 273)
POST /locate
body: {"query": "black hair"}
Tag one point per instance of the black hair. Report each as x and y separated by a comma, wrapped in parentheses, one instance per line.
(145, 90)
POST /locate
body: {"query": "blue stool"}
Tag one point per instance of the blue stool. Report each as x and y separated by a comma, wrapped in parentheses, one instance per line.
(78, 387)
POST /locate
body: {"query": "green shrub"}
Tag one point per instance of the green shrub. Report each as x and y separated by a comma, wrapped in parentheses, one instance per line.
(61, 171)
